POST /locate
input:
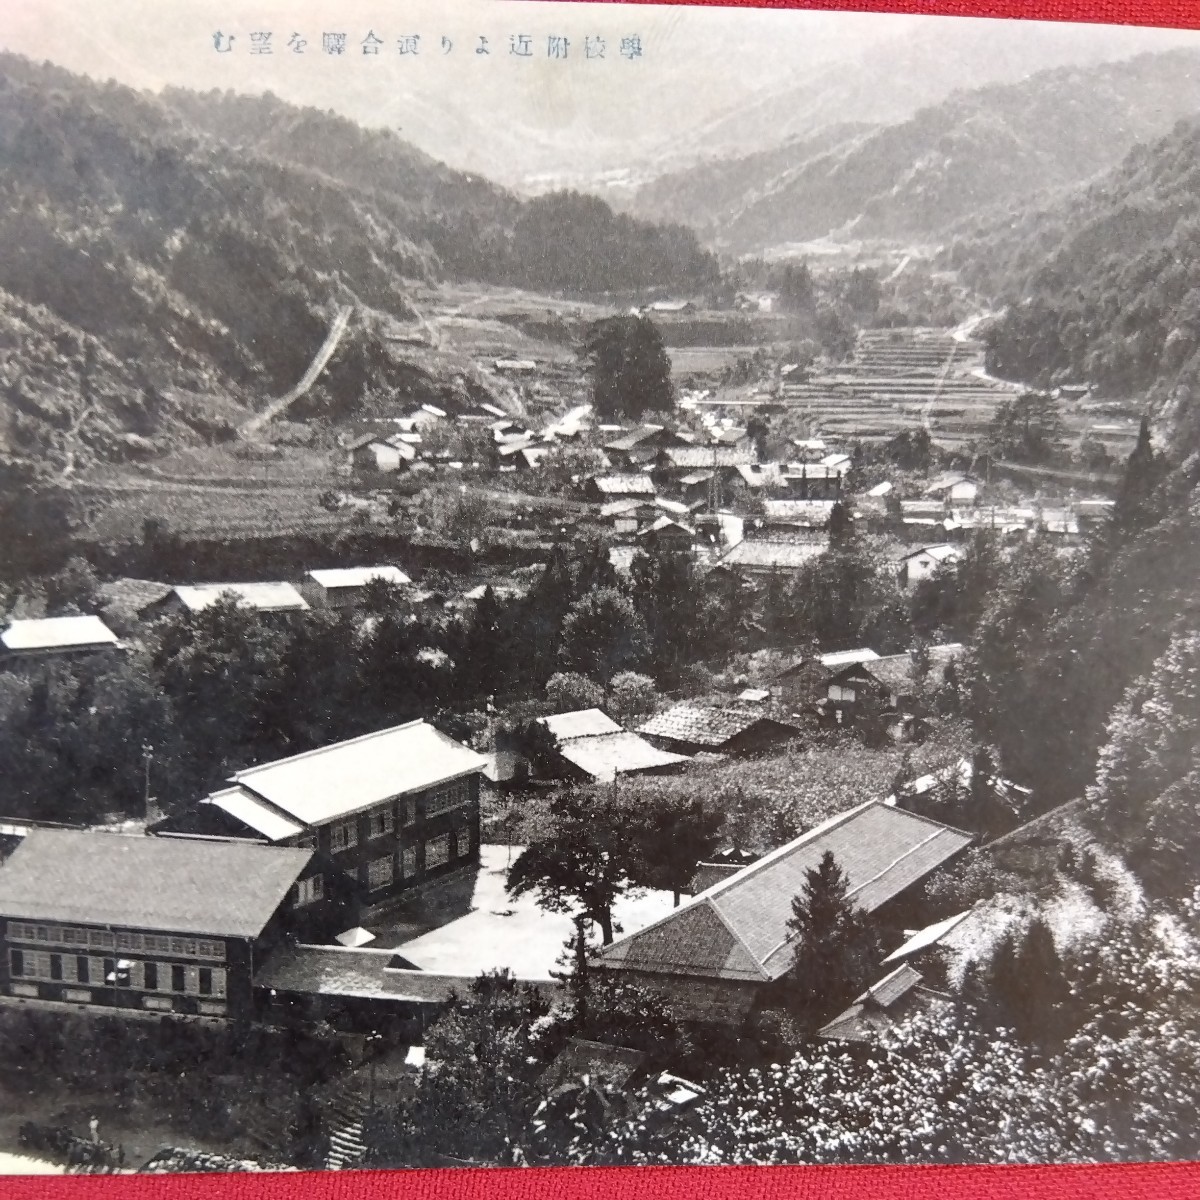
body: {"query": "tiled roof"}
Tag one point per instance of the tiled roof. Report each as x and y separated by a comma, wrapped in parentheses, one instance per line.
(877, 1008)
(584, 722)
(354, 775)
(896, 670)
(767, 556)
(699, 457)
(830, 662)
(711, 727)
(624, 485)
(57, 633)
(359, 972)
(353, 577)
(634, 437)
(176, 885)
(608, 755)
(738, 928)
(803, 511)
(126, 598)
(264, 597)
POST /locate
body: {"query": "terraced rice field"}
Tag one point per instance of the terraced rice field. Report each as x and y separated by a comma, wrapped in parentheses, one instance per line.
(904, 379)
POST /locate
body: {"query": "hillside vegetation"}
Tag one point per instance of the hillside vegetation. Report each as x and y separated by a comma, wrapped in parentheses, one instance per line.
(949, 161)
(170, 263)
(1103, 285)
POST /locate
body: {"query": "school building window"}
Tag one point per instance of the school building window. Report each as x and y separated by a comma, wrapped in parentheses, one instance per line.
(453, 795)
(343, 835)
(310, 889)
(380, 873)
(408, 862)
(437, 851)
(381, 822)
(410, 810)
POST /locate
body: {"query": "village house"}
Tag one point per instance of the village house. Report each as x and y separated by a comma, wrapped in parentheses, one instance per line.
(925, 561)
(55, 637)
(372, 454)
(392, 810)
(810, 450)
(954, 490)
(123, 602)
(273, 599)
(882, 1006)
(345, 587)
(675, 462)
(667, 536)
(793, 516)
(753, 559)
(638, 447)
(805, 682)
(590, 745)
(889, 684)
(717, 954)
(812, 481)
(145, 923)
(604, 488)
(692, 729)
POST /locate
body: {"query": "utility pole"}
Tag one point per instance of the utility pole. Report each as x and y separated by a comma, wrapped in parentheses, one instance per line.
(147, 759)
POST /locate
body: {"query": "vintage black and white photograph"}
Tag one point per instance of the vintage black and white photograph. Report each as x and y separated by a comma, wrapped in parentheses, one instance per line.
(587, 584)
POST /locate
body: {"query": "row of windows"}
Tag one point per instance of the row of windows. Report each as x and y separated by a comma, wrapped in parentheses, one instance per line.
(184, 978)
(382, 821)
(106, 939)
(381, 872)
(453, 795)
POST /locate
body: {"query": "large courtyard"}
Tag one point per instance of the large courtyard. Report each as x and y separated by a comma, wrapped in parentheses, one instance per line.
(475, 926)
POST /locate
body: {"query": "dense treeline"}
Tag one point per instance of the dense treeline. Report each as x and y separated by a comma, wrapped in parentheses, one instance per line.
(187, 252)
(1102, 286)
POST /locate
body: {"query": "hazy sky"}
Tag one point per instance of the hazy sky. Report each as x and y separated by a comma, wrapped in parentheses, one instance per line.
(510, 116)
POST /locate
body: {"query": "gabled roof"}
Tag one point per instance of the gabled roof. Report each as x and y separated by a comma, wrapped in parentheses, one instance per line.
(698, 457)
(666, 522)
(584, 722)
(607, 755)
(810, 512)
(767, 556)
(831, 662)
(929, 936)
(711, 727)
(943, 483)
(876, 1008)
(355, 577)
(939, 552)
(263, 597)
(738, 929)
(634, 438)
(57, 633)
(252, 812)
(896, 670)
(624, 485)
(178, 885)
(354, 775)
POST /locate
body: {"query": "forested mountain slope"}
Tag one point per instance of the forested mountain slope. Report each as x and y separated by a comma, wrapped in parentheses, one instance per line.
(1103, 285)
(188, 254)
(974, 150)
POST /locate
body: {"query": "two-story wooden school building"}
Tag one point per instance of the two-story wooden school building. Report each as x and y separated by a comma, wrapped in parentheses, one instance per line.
(387, 812)
(152, 924)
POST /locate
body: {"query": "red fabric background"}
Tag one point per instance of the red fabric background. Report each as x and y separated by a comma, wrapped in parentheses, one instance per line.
(1175, 1181)
(1183, 14)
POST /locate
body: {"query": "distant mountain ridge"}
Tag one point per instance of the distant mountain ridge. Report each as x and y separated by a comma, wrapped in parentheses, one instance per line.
(167, 263)
(1102, 284)
(946, 163)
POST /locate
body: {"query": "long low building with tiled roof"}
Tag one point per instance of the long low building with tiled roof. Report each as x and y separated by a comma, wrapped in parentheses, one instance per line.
(692, 728)
(713, 954)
